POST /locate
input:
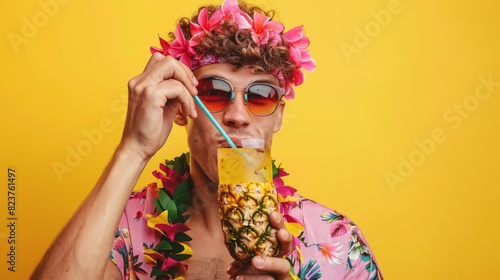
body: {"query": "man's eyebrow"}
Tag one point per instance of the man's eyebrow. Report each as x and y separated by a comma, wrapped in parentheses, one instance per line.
(211, 76)
(267, 81)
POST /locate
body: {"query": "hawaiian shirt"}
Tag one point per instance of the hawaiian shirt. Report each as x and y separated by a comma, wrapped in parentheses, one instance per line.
(330, 245)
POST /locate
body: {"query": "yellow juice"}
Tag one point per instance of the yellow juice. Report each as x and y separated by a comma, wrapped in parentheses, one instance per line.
(244, 165)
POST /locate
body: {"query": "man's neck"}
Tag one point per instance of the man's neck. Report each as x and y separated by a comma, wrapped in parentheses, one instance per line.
(204, 210)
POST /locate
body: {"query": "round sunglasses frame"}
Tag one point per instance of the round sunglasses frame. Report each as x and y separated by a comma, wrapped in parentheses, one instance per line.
(279, 91)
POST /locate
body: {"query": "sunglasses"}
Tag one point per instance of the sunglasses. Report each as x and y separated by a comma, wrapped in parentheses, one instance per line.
(260, 98)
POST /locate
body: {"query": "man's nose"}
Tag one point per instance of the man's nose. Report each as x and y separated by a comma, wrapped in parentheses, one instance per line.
(237, 113)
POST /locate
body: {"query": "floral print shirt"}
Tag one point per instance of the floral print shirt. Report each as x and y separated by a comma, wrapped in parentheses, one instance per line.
(327, 244)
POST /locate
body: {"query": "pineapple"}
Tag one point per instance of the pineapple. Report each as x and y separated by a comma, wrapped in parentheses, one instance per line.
(247, 197)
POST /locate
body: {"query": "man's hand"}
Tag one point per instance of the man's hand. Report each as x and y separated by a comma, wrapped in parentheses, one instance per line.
(164, 88)
(269, 267)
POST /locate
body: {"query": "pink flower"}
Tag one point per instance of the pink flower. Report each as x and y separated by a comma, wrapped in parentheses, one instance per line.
(162, 225)
(165, 46)
(168, 263)
(118, 245)
(339, 227)
(151, 256)
(331, 251)
(169, 178)
(300, 56)
(230, 9)
(204, 25)
(289, 91)
(286, 194)
(299, 53)
(264, 29)
(179, 48)
(172, 229)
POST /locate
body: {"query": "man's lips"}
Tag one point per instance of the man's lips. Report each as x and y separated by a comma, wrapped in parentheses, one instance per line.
(223, 143)
(236, 138)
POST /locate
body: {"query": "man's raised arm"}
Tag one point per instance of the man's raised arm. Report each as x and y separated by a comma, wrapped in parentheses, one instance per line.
(82, 248)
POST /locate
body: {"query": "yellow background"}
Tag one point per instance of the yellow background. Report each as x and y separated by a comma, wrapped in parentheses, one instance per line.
(356, 118)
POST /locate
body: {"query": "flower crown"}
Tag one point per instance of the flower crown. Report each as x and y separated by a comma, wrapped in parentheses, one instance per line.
(263, 31)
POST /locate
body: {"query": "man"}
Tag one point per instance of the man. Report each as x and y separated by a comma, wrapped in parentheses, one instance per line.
(226, 50)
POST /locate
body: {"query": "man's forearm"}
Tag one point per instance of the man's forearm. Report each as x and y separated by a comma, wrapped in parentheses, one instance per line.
(81, 249)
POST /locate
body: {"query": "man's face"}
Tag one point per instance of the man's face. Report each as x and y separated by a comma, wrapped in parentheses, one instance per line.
(236, 120)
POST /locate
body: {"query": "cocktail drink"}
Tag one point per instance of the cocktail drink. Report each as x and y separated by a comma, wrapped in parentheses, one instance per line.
(247, 197)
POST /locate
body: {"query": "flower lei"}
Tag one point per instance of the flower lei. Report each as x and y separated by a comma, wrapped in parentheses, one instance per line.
(263, 31)
(172, 197)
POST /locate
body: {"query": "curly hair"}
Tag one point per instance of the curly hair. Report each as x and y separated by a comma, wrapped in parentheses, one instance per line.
(237, 47)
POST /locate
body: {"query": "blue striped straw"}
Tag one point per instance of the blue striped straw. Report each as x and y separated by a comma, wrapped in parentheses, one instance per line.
(212, 119)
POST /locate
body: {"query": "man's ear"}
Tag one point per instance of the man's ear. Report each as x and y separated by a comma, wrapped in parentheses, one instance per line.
(280, 112)
(179, 118)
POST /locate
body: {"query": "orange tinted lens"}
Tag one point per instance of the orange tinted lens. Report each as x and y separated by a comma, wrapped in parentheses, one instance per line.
(214, 93)
(262, 99)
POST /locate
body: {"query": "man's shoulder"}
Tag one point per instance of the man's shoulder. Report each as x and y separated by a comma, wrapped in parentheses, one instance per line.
(330, 241)
(310, 207)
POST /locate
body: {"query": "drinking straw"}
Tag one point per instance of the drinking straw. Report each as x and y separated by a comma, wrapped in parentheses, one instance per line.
(212, 119)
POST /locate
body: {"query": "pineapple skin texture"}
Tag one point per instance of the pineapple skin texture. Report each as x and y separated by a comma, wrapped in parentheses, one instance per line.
(244, 210)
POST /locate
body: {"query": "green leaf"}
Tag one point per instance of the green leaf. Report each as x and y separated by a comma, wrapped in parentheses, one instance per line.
(181, 257)
(164, 199)
(275, 169)
(181, 208)
(157, 272)
(181, 188)
(158, 205)
(176, 248)
(163, 246)
(172, 211)
(138, 268)
(171, 272)
(184, 218)
(370, 267)
(179, 164)
(181, 236)
(365, 257)
(181, 193)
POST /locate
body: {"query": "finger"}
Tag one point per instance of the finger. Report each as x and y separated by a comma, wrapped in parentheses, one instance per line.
(284, 237)
(155, 57)
(173, 90)
(278, 266)
(277, 220)
(170, 68)
(190, 72)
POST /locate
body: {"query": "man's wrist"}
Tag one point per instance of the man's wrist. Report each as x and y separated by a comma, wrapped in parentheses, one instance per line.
(131, 155)
(133, 152)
